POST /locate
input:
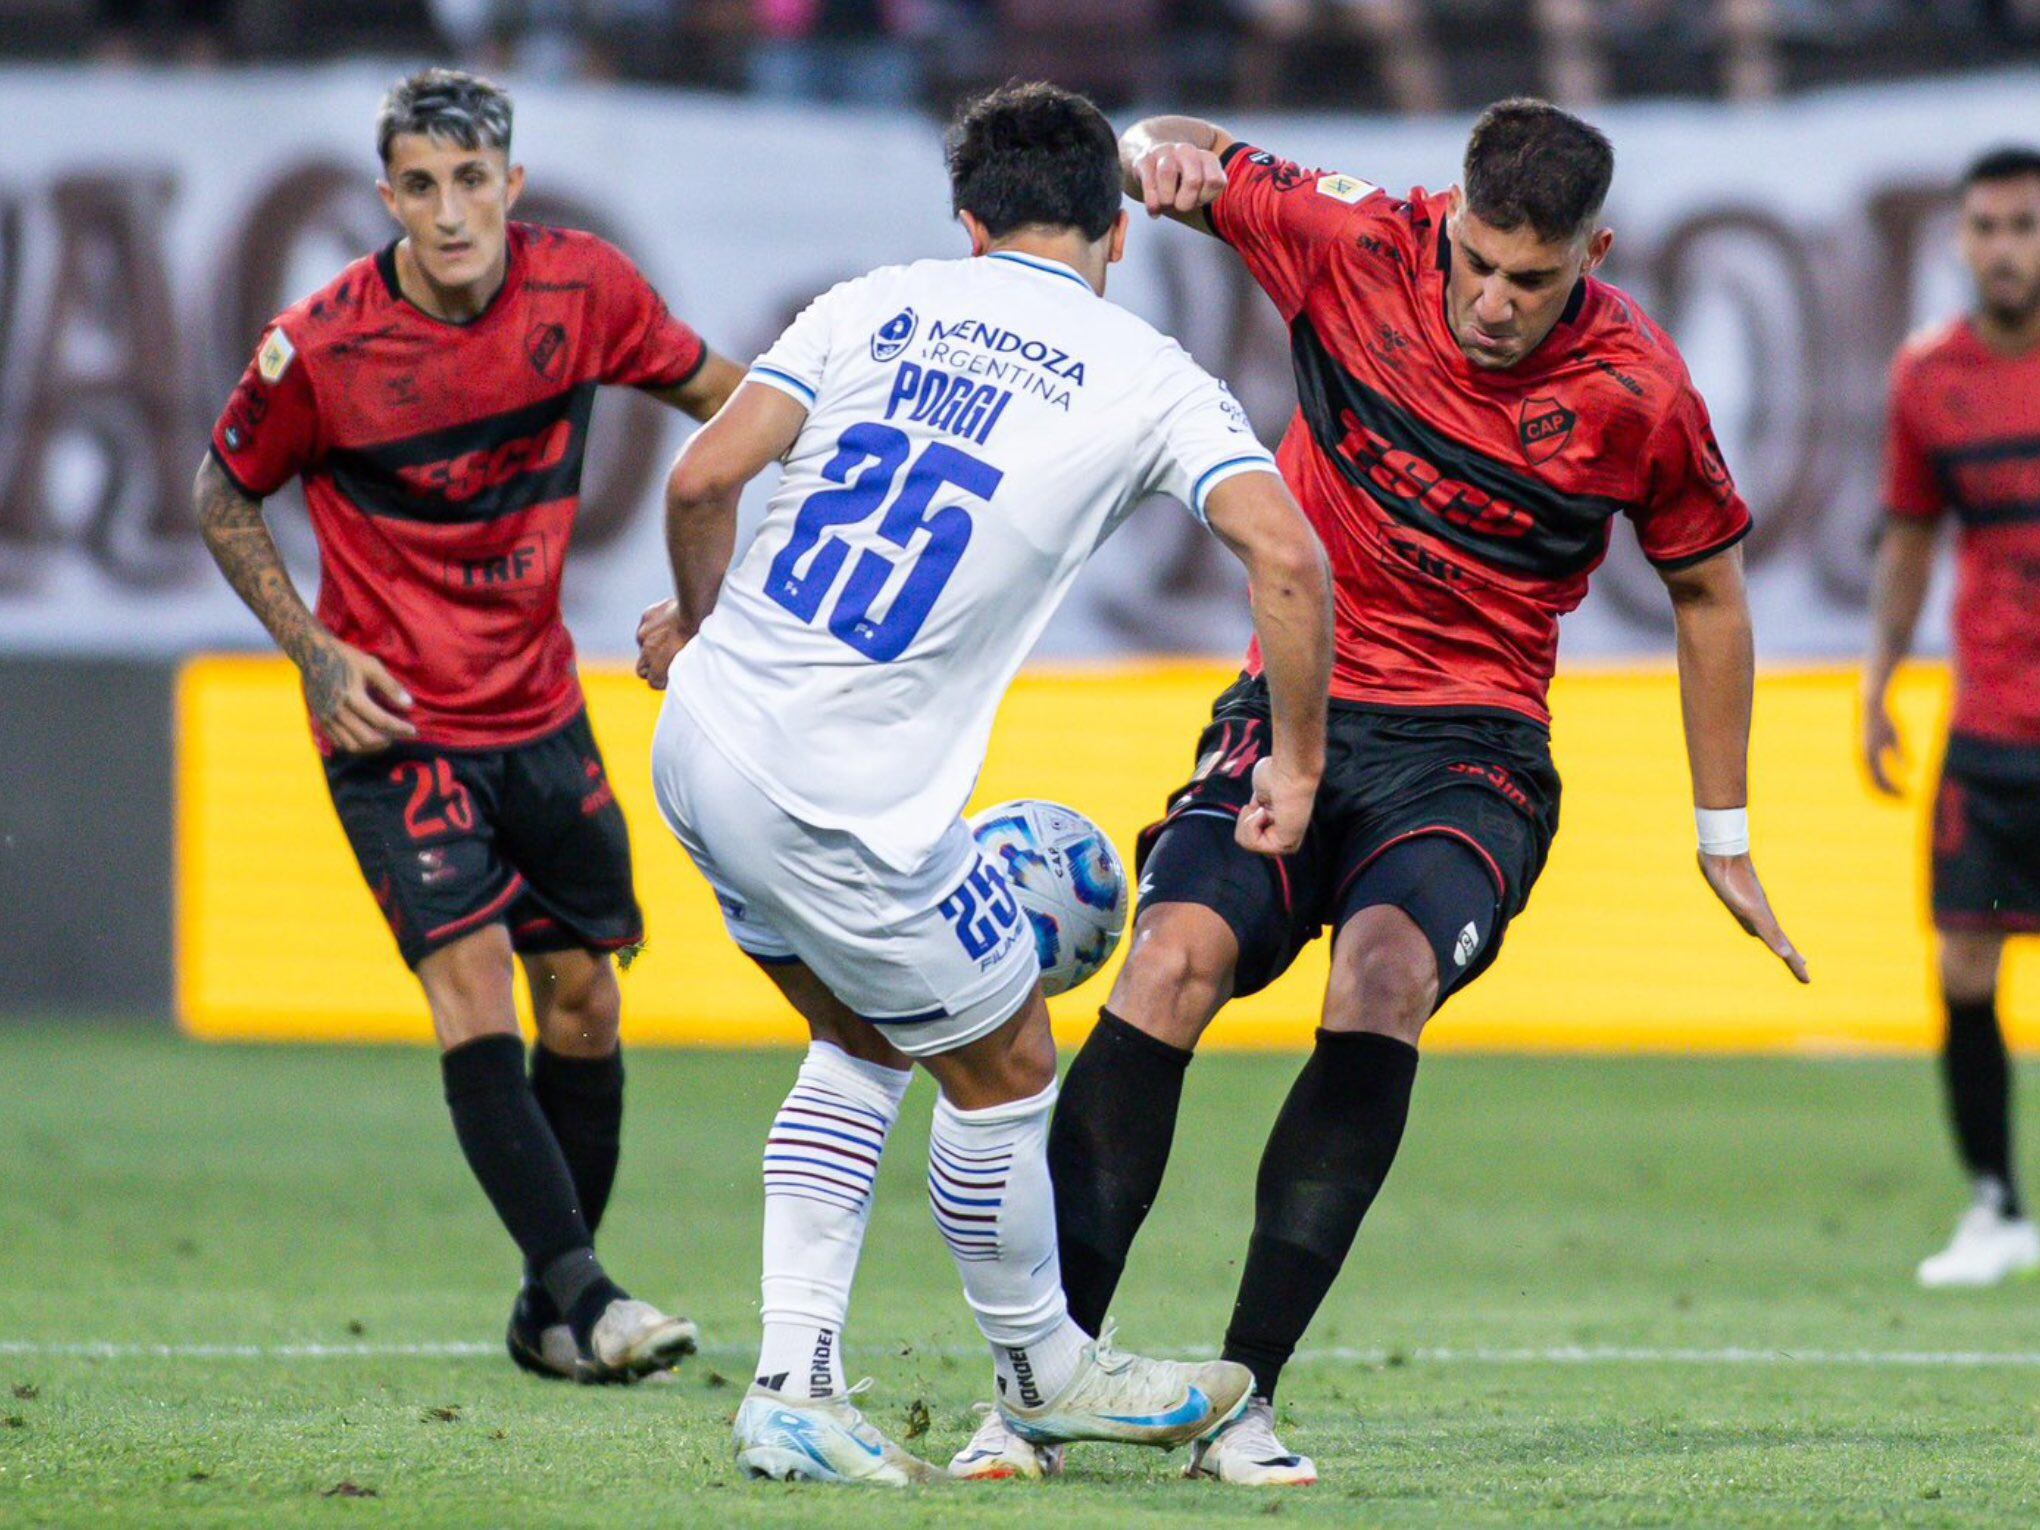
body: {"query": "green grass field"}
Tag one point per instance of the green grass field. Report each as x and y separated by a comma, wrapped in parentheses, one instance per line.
(1541, 1324)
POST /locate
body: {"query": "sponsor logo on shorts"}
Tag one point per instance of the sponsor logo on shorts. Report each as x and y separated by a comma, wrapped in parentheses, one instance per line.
(1467, 944)
(602, 796)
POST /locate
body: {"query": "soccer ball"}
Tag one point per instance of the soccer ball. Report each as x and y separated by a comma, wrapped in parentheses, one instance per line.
(1068, 880)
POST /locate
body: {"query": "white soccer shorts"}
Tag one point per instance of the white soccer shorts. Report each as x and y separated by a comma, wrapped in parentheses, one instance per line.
(935, 957)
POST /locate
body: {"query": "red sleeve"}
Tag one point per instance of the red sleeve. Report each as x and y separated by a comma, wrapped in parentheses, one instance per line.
(643, 345)
(1282, 218)
(1911, 491)
(269, 431)
(1690, 509)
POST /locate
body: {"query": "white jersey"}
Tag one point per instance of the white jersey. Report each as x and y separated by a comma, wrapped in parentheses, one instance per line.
(976, 428)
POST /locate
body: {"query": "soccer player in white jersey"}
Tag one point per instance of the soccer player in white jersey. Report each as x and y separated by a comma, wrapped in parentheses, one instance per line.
(958, 436)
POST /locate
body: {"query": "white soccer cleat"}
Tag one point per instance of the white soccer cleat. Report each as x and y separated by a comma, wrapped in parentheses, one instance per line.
(820, 1439)
(1246, 1453)
(996, 1454)
(1134, 1401)
(1988, 1247)
(633, 1339)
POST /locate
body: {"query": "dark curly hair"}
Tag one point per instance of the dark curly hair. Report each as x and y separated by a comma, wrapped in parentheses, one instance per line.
(1035, 155)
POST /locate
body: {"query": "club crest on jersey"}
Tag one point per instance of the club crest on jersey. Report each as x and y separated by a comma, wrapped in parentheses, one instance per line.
(1344, 188)
(545, 345)
(1544, 425)
(276, 356)
(894, 335)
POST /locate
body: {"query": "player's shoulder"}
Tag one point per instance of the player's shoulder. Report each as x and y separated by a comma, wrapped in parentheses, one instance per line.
(1624, 344)
(1947, 340)
(566, 256)
(329, 318)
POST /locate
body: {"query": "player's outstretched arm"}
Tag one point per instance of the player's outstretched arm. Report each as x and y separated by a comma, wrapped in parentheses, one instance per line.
(706, 391)
(1171, 166)
(1905, 561)
(1290, 587)
(1717, 685)
(759, 425)
(349, 692)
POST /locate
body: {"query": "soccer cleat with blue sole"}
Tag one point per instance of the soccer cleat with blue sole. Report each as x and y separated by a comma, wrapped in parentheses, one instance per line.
(1133, 1401)
(820, 1439)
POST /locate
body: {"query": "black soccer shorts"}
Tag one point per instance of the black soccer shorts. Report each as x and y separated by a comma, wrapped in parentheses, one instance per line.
(529, 836)
(1482, 780)
(1986, 844)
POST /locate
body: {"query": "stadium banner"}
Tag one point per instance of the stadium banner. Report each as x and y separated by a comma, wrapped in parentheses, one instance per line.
(1622, 948)
(1788, 247)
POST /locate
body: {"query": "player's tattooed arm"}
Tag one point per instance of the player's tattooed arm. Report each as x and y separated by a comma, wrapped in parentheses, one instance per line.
(1905, 563)
(340, 682)
(1717, 687)
(706, 391)
(1171, 166)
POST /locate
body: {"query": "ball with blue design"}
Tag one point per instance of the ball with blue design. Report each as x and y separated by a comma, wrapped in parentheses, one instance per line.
(1068, 880)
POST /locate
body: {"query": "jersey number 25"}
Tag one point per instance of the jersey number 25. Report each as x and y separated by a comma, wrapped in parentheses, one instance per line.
(868, 459)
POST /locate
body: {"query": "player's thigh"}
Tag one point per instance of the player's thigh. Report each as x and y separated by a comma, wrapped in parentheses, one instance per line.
(934, 955)
(560, 825)
(1986, 875)
(576, 1002)
(423, 827)
(829, 1019)
(1013, 1062)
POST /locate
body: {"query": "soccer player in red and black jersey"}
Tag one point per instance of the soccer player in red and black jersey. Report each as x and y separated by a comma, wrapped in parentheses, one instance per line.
(435, 399)
(1477, 410)
(1964, 440)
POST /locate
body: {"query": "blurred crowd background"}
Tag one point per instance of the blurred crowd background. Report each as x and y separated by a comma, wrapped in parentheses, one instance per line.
(1397, 56)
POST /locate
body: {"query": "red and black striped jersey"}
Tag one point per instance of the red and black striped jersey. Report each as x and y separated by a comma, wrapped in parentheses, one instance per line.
(442, 466)
(1964, 437)
(1462, 509)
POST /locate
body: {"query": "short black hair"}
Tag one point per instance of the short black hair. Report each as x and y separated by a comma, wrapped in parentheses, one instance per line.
(1529, 162)
(445, 103)
(2007, 162)
(1035, 155)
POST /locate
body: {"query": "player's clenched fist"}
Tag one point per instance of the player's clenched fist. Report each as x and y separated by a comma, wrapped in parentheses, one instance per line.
(659, 639)
(350, 694)
(1274, 822)
(1179, 178)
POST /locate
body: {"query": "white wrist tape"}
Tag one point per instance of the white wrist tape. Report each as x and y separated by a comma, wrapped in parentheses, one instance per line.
(1723, 831)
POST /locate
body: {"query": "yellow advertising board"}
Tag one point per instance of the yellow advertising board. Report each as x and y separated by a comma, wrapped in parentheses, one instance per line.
(1622, 948)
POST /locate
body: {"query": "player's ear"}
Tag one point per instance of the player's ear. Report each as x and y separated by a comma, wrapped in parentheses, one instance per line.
(1117, 252)
(388, 193)
(513, 187)
(980, 236)
(1599, 243)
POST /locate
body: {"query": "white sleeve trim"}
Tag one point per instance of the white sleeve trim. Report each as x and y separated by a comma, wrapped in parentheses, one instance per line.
(785, 382)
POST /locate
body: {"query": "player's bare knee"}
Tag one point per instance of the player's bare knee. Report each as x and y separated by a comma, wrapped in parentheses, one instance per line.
(1969, 964)
(1384, 976)
(584, 1017)
(1178, 973)
(467, 986)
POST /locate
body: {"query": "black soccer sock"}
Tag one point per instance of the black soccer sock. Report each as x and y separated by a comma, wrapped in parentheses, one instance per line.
(1977, 1074)
(1107, 1149)
(1327, 1156)
(517, 1159)
(582, 1098)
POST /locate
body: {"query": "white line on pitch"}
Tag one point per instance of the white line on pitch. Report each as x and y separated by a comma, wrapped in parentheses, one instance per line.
(1565, 1354)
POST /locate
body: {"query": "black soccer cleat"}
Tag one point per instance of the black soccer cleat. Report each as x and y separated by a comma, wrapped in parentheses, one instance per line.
(538, 1339)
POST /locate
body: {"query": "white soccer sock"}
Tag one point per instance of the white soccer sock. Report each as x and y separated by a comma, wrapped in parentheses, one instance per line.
(988, 1184)
(821, 1160)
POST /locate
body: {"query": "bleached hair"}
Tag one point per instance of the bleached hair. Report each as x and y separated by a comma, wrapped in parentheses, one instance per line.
(446, 104)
